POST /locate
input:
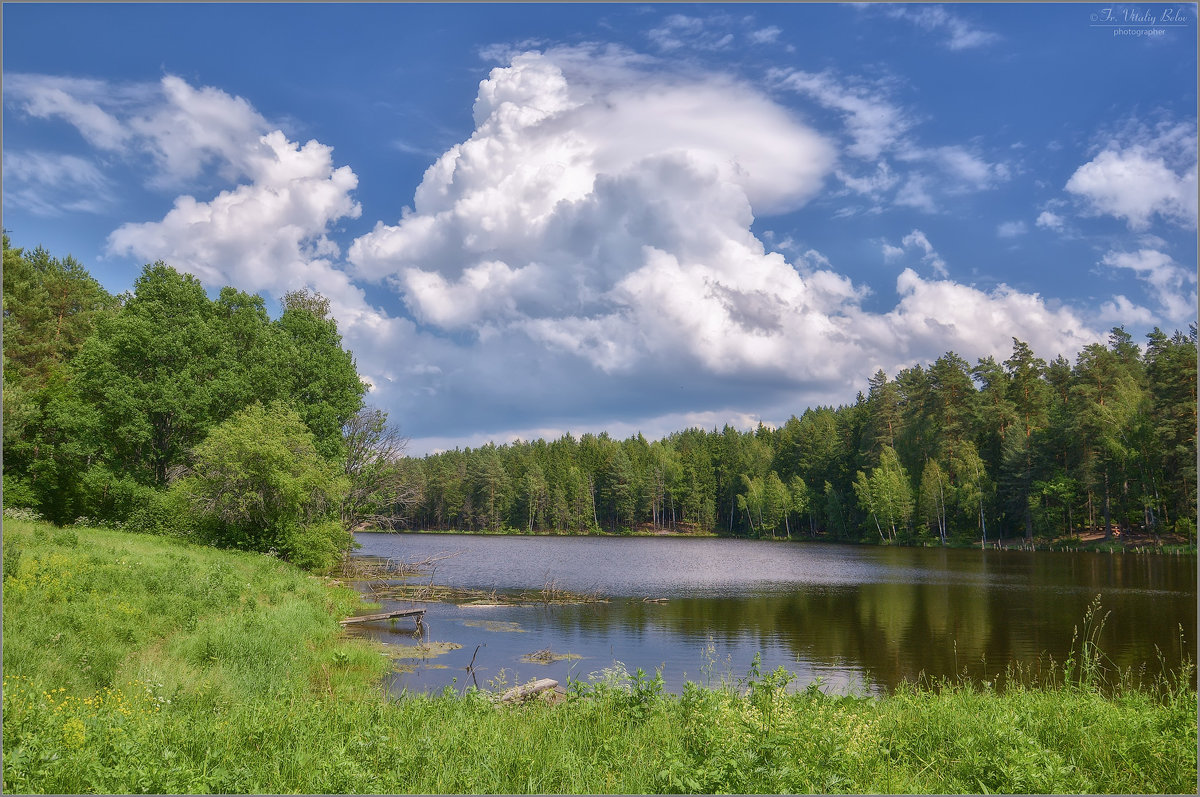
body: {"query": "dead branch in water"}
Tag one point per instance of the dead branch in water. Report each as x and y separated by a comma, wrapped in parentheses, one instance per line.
(379, 574)
(364, 568)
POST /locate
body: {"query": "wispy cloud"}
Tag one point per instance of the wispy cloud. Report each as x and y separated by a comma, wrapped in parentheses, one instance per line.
(874, 124)
(1011, 229)
(1166, 279)
(680, 30)
(956, 32)
(884, 132)
(917, 240)
(49, 184)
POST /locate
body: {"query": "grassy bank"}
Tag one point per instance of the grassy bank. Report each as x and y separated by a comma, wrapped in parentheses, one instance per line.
(144, 664)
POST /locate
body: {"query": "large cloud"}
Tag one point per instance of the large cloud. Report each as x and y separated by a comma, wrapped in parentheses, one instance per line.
(591, 241)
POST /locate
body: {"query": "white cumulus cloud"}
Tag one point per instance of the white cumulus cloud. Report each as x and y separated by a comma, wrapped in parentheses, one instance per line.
(1050, 221)
(264, 233)
(1140, 175)
(1122, 311)
(592, 238)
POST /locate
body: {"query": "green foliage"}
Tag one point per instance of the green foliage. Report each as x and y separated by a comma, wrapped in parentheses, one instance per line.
(50, 308)
(318, 377)
(257, 482)
(315, 546)
(18, 492)
(164, 512)
(104, 399)
(886, 494)
(978, 453)
(154, 374)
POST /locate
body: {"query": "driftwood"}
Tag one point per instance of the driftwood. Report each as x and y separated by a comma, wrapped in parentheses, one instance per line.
(525, 691)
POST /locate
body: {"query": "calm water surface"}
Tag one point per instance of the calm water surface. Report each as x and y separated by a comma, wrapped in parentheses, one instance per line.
(858, 617)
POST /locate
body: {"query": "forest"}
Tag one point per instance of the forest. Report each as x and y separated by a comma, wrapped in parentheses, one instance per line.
(949, 452)
(162, 403)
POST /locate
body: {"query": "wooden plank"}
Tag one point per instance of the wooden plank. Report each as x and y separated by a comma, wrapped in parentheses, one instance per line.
(366, 618)
(528, 690)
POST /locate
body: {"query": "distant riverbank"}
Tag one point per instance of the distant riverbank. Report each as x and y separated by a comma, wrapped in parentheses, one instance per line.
(1171, 544)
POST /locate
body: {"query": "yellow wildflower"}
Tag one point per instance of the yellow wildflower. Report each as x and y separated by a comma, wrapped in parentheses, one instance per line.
(74, 732)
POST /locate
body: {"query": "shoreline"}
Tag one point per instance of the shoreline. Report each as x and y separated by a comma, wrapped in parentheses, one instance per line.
(1170, 545)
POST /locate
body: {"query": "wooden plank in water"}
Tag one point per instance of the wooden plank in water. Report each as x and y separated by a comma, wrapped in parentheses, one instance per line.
(366, 618)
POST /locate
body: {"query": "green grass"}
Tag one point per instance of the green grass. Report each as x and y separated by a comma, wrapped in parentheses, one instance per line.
(145, 664)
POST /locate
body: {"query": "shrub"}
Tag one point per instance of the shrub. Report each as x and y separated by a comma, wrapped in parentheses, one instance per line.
(317, 546)
(258, 483)
(109, 497)
(160, 512)
(18, 493)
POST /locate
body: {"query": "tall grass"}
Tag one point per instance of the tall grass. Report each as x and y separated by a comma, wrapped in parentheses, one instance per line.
(143, 664)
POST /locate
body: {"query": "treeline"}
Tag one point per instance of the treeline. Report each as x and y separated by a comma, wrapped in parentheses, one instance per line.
(165, 410)
(948, 452)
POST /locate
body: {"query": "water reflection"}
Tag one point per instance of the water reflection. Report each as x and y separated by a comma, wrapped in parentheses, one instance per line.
(856, 617)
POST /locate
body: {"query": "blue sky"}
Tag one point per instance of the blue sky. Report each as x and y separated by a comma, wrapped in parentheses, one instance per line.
(540, 218)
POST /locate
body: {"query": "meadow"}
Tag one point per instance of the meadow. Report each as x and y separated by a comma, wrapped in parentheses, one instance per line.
(138, 663)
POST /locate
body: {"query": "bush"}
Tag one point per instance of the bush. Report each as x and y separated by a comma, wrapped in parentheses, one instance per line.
(18, 493)
(258, 483)
(160, 512)
(1186, 526)
(109, 497)
(317, 547)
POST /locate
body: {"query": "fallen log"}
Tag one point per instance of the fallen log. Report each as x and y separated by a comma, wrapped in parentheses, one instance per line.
(366, 618)
(528, 690)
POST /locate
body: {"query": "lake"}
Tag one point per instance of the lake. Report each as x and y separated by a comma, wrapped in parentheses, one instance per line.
(860, 618)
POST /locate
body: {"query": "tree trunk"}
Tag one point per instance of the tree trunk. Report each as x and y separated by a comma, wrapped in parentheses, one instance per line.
(1107, 510)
